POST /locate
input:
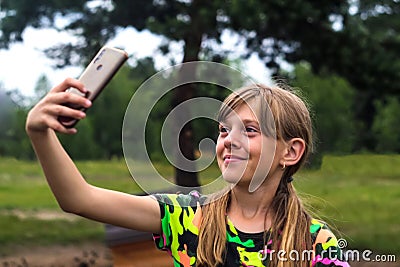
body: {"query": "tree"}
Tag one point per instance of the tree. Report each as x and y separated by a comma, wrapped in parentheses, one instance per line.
(7, 108)
(331, 101)
(42, 87)
(329, 34)
(386, 126)
(13, 140)
(83, 145)
(365, 51)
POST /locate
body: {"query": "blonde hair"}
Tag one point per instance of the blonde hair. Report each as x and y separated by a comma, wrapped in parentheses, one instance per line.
(283, 115)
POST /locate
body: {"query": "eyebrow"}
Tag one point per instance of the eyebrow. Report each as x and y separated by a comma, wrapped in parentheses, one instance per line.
(245, 121)
(249, 121)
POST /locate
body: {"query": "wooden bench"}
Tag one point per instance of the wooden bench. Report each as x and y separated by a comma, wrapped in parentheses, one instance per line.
(131, 248)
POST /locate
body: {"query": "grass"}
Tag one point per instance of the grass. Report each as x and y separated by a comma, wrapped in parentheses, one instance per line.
(359, 195)
(39, 232)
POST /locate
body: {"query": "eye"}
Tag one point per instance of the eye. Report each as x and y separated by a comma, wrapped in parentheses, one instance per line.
(251, 130)
(223, 129)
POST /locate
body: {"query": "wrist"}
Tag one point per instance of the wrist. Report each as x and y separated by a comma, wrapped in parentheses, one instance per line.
(36, 133)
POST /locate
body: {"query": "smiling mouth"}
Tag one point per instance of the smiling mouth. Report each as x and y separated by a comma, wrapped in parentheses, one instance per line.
(231, 159)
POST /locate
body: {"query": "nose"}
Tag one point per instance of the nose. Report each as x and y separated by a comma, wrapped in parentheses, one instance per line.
(232, 140)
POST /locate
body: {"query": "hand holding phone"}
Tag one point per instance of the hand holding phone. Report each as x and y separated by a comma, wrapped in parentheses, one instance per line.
(96, 76)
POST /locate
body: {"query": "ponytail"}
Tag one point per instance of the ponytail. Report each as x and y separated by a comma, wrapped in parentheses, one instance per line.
(212, 233)
(290, 226)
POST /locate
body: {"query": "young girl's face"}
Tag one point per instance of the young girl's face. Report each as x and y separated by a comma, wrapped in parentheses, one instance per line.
(243, 152)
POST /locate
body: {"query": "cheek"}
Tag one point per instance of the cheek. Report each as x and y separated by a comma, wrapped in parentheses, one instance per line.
(267, 155)
(254, 149)
(262, 155)
(219, 148)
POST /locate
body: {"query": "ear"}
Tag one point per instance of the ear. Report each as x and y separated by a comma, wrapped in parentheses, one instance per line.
(294, 151)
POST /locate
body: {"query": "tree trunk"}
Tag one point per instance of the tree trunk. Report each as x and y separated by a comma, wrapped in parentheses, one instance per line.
(193, 39)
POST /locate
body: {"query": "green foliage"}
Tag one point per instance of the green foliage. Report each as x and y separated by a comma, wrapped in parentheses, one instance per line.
(331, 99)
(82, 145)
(386, 125)
(19, 144)
(7, 109)
(13, 140)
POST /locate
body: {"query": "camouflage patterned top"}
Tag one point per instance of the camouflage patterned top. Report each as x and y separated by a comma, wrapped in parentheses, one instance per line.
(180, 220)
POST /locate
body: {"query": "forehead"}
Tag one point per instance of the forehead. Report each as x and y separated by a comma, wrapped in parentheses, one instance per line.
(245, 112)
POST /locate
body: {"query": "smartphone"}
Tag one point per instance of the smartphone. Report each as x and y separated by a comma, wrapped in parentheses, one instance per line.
(96, 76)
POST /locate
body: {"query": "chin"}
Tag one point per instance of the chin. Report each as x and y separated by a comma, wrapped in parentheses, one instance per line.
(232, 176)
(231, 180)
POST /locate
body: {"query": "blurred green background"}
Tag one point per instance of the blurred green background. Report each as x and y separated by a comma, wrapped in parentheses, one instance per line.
(343, 56)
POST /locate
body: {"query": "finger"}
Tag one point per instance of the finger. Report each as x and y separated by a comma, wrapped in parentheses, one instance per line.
(68, 98)
(68, 83)
(65, 111)
(58, 127)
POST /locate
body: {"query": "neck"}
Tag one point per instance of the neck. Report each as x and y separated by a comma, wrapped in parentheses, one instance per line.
(250, 211)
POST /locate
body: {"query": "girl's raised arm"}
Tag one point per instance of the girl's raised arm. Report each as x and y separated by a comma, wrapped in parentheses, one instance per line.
(72, 192)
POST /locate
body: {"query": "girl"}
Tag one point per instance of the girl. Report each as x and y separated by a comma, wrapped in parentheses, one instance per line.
(265, 135)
